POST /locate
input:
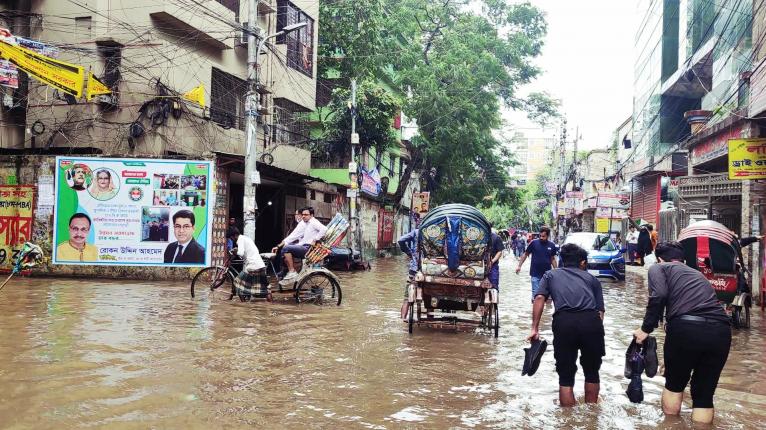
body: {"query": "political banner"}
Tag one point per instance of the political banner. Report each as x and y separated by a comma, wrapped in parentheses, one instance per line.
(9, 74)
(16, 221)
(747, 159)
(421, 202)
(58, 74)
(611, 213)
(133, 212)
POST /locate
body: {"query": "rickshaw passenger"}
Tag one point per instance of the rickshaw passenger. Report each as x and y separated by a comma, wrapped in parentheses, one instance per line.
(698, 331)
(308, 232)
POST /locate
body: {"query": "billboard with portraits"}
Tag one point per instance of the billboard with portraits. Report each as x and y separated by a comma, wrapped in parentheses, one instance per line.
(132, 212)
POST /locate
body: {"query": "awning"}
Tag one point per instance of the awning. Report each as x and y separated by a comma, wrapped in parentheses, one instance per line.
(236, 163)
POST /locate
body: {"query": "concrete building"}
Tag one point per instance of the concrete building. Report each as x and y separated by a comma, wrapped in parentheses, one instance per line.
(533, 151)
(149, 53)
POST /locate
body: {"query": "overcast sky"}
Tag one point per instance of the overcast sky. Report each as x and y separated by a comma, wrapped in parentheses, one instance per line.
(588, 64)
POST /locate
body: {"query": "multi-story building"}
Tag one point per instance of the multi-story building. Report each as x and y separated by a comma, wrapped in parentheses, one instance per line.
(149, 53)
(533, 152)
(699, 84)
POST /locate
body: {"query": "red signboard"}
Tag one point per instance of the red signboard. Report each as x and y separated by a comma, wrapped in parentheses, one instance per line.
(714, 147)
(385, 229)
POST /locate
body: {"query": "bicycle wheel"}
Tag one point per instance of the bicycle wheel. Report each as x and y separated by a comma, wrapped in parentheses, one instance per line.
(318, 287)
(411, 317)
(212, 282)
(494, 319)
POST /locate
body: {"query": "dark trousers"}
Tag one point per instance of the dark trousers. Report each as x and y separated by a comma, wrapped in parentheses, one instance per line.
(575, 332)
(696, 351)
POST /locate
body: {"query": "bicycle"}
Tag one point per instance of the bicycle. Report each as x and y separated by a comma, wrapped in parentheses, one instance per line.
(314, 283)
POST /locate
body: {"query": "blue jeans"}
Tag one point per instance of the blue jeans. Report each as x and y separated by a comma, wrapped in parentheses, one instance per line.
(535, 286)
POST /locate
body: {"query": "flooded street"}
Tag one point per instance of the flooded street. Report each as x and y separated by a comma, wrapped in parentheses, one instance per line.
(78, 353)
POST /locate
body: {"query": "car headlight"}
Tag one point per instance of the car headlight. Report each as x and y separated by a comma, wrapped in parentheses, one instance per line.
(592, 261)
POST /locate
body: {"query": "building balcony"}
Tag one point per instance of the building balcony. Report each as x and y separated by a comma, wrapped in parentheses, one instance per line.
(195, 25)
(694, 78)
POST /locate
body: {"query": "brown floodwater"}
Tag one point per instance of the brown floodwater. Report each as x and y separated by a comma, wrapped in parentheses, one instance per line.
(120, 354)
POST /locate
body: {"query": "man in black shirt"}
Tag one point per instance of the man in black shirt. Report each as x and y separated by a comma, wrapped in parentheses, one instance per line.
(577, 322)
(698, 333)
(496, 247)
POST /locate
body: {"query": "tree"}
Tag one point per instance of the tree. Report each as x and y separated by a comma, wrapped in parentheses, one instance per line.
(376, 109)
(460, 65)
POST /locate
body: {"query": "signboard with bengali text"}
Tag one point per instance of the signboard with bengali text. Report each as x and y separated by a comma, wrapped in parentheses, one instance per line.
(131, 212)
(747, 159)
(16, 221)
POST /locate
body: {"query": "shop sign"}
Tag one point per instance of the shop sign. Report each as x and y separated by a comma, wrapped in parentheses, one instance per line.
(613, 200)
(573, 202)
(714, 147)
(16, 220)
(611, 213)
(371, 181)
(747, 159)
(602, 225)
(120, 212)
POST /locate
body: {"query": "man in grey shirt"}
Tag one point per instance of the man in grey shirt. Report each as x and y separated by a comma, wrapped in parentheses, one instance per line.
(577, 322)
(698, 333)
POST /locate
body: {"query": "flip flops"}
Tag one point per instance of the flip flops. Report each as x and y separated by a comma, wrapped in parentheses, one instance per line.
(533, 355)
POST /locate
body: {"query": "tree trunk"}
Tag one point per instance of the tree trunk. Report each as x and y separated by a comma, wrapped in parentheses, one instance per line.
(407, 174)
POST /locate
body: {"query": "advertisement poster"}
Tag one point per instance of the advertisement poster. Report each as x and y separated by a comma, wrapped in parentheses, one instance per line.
(611, 213)
(16, 220)
(747, 159)
(132, 212)
(371, 181)
(574, 203)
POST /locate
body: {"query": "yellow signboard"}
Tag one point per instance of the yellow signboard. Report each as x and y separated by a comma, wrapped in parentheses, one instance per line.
(602, 225)
(58, 74)
(747, 159)
(15, 221)
(95, 87)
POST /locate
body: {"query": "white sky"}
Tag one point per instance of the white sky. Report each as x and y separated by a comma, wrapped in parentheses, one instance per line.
(587, 63)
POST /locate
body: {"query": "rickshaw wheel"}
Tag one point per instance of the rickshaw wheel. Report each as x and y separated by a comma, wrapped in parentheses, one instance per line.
(741, 316)
(213, 283)
(330, 289)
(493, 319)
(411, 318)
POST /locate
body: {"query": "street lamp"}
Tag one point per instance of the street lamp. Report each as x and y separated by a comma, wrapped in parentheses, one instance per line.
(252, 106)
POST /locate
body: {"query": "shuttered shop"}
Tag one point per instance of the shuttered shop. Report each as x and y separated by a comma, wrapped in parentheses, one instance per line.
(646, 198)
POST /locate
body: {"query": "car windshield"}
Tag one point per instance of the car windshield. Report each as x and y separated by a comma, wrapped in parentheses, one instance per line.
(590, 242)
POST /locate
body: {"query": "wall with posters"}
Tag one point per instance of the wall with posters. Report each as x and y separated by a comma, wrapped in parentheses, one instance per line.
(132, 212)
(37, 171)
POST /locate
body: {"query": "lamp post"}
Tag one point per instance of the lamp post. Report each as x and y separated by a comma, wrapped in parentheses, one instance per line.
(252, 105)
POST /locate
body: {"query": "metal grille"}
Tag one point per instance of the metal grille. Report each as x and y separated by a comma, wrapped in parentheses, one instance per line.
(300, 43)
(227, 100)
(290, 124)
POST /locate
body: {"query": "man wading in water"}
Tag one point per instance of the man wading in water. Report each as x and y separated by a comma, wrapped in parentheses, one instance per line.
(577, 322)
(698, 332)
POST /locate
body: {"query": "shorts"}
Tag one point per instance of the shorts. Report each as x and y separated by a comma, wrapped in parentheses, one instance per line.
(697, 351)
(297, 251)
(573, 332)
(494, 277)
(535, 286)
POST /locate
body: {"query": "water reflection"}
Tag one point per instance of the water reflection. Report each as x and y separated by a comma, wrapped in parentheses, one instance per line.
(81, 353)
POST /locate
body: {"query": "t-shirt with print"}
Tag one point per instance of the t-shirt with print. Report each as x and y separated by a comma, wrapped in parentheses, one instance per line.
(541, 252)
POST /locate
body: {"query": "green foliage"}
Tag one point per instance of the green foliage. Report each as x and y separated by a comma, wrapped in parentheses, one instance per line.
(460, 65)
(376, 109)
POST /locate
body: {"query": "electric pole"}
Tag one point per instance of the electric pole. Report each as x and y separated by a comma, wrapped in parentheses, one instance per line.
(353, 171)
(252, 178)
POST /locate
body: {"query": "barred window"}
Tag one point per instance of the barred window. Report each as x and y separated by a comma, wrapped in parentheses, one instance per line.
(232, 5)
(300, 43)
(227, 99)
(290, 123)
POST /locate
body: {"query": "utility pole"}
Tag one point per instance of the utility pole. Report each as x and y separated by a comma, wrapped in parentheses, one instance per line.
(562, 175)
(574, 159)
(252, 178)
(353, 171)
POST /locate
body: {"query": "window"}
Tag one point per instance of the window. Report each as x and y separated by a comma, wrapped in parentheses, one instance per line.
(227, 100)
(290, 123)
(300, 43)
(232, 5)
(391, 164)
(83, 26)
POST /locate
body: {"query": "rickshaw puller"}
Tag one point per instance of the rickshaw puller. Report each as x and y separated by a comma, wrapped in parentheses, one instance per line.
(253, 267)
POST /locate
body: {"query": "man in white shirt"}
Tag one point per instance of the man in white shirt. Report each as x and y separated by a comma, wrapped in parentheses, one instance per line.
(632, 240)
(308, 232)
(245, 248)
